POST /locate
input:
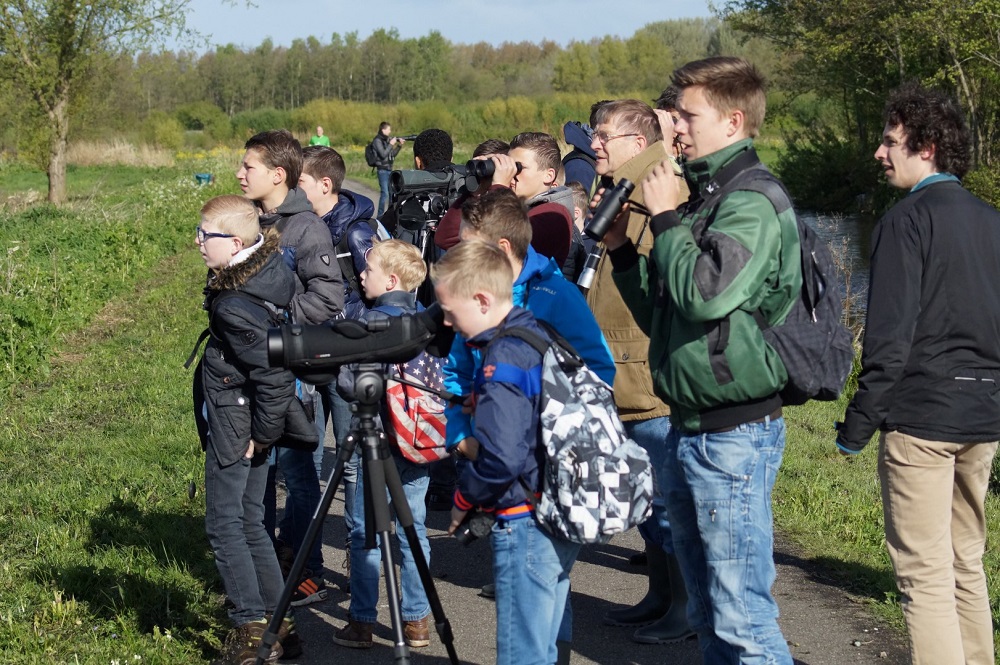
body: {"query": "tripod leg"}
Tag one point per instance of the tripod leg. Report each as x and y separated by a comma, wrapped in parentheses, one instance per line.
(271, 635)
(376, 463)
(405, 516)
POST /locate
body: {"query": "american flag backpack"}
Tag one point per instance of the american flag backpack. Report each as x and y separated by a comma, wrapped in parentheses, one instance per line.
(416, 417)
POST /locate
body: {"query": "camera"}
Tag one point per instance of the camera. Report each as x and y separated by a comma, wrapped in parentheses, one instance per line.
(475, 525)
(424, 196)
(611, 205)
(408, 137)
(484, 168)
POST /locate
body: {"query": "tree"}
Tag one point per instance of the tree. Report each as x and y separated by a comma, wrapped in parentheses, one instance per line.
(48, 48)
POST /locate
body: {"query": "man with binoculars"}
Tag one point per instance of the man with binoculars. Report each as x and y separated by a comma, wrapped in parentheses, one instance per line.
(531, 168)
(628, 144)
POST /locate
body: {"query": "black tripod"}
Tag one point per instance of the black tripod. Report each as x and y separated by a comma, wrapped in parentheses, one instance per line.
(380, 474)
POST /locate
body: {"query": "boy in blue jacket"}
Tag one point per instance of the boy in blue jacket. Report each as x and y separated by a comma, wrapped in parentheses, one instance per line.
(473, 285)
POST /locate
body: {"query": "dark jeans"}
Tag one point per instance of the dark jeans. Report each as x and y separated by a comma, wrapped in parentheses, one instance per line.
(383, 190)
(234, 523)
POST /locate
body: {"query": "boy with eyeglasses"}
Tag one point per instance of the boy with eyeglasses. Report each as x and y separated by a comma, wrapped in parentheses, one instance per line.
(245, 404)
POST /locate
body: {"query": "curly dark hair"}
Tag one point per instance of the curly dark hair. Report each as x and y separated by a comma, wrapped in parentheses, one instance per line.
(931, 118)
(433, 146)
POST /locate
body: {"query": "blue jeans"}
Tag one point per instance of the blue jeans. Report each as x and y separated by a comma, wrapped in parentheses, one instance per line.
(300, 504)
(340, 413)
(531, 573)
(718, 493)
(365, 564)
(234, 523)
(383, 190)
(652, 436)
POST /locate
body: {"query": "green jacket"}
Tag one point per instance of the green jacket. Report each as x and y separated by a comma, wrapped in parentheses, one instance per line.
(696, 292)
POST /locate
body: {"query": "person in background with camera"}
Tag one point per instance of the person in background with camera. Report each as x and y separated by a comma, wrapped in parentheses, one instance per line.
(245, 406)
(695, 293)
(346, 215)
(432, 151)
(929, 374)
(628, 145)
(447, 231)
(393, 272)
(269, 175)
(386, 149)
(530, 566)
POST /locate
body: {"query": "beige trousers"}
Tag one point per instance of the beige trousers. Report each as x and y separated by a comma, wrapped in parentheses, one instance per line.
(935, 527)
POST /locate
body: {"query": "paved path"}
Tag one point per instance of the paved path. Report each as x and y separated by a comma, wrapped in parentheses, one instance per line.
(823, 624)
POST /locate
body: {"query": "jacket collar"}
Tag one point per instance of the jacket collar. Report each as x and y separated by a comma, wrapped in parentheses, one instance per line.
(635, 169)
(701, 174)
(403, 299)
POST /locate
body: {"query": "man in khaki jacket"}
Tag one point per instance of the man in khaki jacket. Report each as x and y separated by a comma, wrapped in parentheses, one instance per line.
(629, 144)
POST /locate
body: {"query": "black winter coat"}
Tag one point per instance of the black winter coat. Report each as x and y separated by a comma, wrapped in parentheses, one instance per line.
(245, 397)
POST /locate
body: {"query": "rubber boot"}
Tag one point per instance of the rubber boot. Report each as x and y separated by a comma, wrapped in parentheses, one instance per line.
(672, 626)
(656, 602)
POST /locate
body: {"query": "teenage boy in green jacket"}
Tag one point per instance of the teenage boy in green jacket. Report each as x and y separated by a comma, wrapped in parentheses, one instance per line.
(695, 295)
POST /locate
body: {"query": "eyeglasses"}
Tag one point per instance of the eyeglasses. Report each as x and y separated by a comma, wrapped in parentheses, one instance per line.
(204, 235)
(604, 137)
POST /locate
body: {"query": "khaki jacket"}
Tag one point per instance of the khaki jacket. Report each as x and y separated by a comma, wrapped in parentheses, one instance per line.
(629, 345)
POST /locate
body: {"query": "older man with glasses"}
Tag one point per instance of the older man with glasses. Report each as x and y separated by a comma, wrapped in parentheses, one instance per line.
(627, 141)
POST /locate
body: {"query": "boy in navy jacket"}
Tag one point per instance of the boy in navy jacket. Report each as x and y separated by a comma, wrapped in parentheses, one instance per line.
(473, 284)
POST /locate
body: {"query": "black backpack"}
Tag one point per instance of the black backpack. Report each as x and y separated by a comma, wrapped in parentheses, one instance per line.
(371, 159)
(814, 345)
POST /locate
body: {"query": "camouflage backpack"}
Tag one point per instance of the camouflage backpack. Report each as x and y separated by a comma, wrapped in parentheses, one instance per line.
(596, 482)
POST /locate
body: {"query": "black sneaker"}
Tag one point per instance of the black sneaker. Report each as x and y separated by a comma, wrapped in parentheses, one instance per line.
(311, 589)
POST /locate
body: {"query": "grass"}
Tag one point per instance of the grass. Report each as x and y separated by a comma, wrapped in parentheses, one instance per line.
(105, 557)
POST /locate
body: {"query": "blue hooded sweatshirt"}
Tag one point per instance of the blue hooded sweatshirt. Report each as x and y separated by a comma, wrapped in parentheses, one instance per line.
(541, 289)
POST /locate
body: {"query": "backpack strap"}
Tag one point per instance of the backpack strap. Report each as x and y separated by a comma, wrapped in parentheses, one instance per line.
(747, 173)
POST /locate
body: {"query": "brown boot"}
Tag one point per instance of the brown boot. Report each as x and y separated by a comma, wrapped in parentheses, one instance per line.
(355, 634)
(288, 638)
(242, 643)
(417, 633)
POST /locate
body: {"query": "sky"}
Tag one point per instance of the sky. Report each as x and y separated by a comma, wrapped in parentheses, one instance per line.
(459, 21)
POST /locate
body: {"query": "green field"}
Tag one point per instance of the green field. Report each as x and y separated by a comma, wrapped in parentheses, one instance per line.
(105, 557)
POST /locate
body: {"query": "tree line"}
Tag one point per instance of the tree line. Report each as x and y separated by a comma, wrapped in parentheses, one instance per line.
(830, 65)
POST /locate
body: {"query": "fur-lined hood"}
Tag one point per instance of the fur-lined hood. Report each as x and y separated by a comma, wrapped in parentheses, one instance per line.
(263, 274)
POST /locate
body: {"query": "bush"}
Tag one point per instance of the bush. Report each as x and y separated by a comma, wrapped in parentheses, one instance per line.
(206, 117)
(984, 182)
(248, 123)
(827, 173)
(163, 131)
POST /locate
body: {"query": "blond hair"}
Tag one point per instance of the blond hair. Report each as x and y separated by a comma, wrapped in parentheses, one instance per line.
(473, 266)
(399, 258)
(234, 215)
